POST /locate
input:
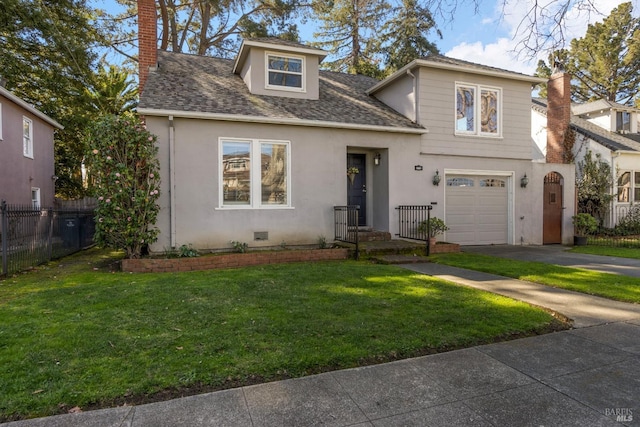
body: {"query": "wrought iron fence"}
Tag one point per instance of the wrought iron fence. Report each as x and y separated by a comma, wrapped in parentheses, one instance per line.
(31, 236)
(345, 222)
(414, 223)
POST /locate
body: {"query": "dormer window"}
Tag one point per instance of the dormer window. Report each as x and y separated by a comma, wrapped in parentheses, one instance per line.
(285, 72)
(623, 121)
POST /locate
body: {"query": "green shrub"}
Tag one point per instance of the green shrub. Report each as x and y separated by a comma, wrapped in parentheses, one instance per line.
(437, 227)
(123, 170)
(584, 224)
(630, 223)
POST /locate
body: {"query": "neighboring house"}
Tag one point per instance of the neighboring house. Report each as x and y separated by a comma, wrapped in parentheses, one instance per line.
(26, 153)
(607, 129)
(257, 149)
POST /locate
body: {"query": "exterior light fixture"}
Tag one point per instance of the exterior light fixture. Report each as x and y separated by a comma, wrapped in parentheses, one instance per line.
(376, 159)
(436, 178)
(524, 181)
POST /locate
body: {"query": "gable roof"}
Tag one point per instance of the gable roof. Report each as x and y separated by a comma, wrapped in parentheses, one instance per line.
(452, 64)
(30, 108)
(600, 104)
(275, 43)
(186, 85)
(611, 140)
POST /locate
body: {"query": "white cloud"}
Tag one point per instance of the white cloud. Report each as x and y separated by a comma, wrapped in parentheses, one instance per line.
(499, 54)
(491, 49)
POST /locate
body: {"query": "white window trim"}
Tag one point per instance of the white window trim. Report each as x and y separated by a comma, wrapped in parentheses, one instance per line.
(0, 121)
(478, 88)
(285, 88)
(255, 201)
(35, 202)
(27, 153)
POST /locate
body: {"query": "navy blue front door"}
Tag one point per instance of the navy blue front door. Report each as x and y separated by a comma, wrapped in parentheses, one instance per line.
(357, 190)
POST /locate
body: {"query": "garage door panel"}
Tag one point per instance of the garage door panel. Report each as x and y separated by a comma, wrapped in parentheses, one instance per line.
(476, 215)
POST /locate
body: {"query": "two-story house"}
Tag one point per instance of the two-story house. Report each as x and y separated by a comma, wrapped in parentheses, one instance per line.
(26, 153)
(609, 130)
(258, 149)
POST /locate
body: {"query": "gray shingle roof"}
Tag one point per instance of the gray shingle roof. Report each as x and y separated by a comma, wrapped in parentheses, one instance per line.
(434, 57)
(601, 104)
(202, 84)
(612, 140)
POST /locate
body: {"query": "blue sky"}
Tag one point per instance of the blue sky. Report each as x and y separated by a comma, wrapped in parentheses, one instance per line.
(491, 36)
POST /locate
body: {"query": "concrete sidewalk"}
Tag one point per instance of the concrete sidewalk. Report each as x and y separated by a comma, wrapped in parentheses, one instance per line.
(582, 377)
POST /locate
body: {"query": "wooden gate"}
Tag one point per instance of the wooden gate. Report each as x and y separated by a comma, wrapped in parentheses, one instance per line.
(552, 212)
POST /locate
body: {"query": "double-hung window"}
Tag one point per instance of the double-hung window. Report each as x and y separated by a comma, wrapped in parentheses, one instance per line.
(285, 72)
(629, 187)
(27, 137)
(478, 110)
(254, 173)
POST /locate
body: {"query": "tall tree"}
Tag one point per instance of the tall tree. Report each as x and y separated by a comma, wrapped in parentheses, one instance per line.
(205, 27)
(112, 91)
(404, 35)
(348, 30)
(46, 58)
(605, 63)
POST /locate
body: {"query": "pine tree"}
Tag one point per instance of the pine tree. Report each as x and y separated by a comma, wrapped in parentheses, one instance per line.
(605, 63)
(349, 31)
(404, 35)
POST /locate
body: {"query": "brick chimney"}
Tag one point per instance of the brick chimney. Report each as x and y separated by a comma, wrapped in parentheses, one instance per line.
(558, 114)
(147, 40)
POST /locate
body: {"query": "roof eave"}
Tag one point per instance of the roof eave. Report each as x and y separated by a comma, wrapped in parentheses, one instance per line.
(243, 52)
(458, 68)
(278, 121)
(7, 94)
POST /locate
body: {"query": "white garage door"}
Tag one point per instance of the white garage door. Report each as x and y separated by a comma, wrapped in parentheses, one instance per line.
(476, 209)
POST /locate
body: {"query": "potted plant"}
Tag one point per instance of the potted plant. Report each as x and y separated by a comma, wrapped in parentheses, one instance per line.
(436, 227)
(584, 224)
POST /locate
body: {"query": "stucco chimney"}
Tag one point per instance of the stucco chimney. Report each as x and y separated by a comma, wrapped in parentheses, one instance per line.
(147, 39)
(558, 114)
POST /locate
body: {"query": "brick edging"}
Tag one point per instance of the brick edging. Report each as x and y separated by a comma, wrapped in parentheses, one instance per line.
(211, 262)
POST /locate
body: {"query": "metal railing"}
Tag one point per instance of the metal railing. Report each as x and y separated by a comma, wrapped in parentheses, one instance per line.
(414, 224)
(31, 236)
(345, 222)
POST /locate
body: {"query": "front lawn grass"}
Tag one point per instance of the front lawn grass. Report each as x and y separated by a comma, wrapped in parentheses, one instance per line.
(608, 285)
(75, 334)
(608, 251)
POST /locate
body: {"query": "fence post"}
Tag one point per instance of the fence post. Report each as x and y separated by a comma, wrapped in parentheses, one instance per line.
(50, 237)
(4, 232)
(428, 251)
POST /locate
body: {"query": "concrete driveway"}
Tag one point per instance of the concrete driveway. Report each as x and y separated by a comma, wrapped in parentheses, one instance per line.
(561, 255)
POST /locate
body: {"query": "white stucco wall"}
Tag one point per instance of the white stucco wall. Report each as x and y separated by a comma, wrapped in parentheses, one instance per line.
(318, 182)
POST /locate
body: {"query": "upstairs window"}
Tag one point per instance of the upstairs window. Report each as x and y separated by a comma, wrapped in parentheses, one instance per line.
(623, 121)
(285, 72)
(478, 110)
(27, 137)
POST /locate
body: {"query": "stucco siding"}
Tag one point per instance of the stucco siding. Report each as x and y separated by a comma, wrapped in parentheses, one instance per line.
(318, 182)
